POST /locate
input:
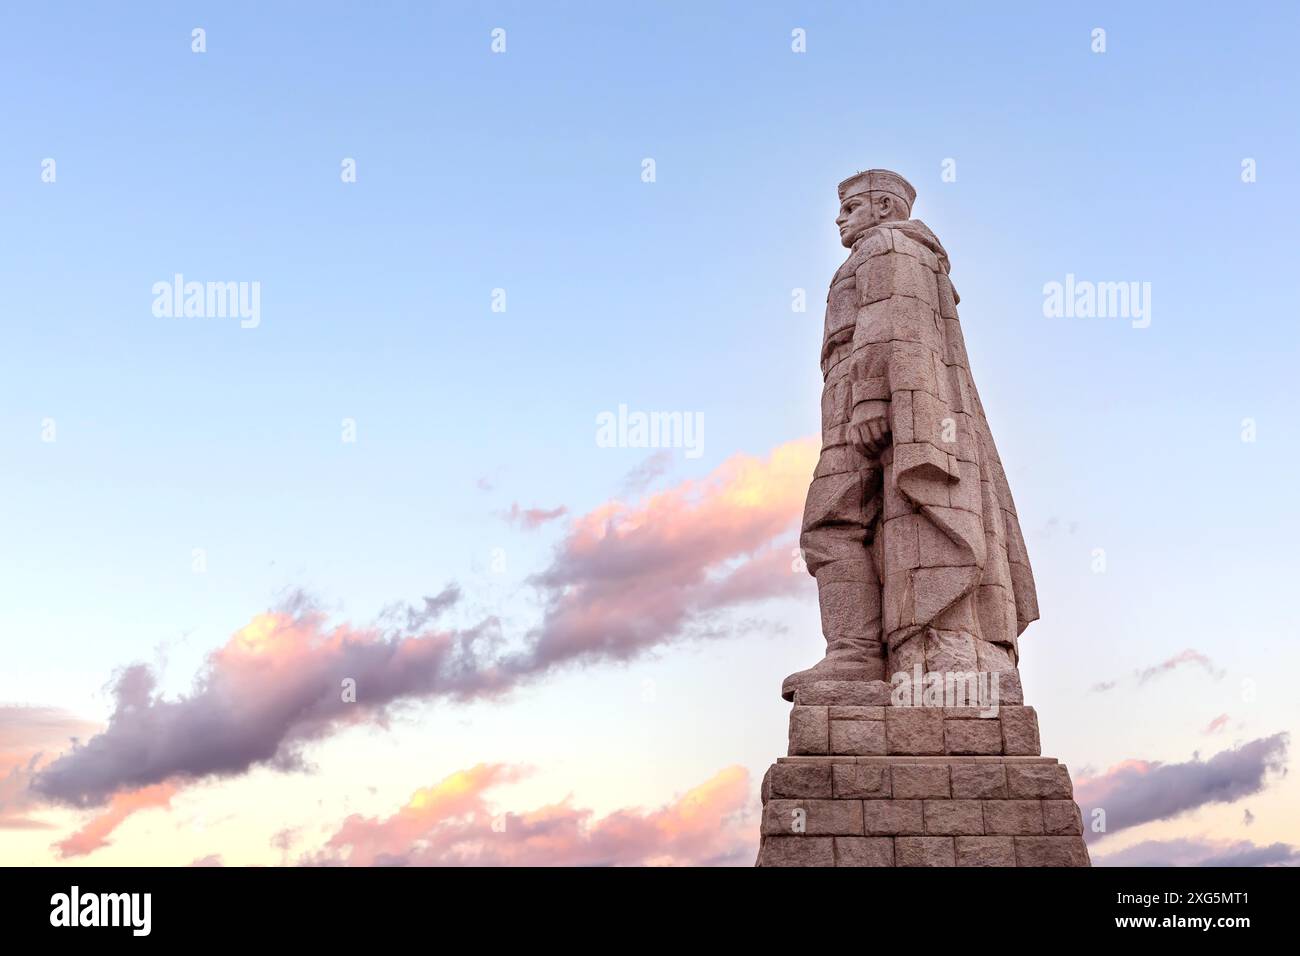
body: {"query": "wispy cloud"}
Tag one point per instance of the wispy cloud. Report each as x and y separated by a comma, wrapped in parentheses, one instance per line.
(1188, 656)
(280, 682)
(95, 832)
(453, 823)
(625, 578)
(628, 577)
(1217, 724)
(29, 737)
(1192, 851)
(1140, 791)
(1181, 659)
(643, 475)
(530, 519)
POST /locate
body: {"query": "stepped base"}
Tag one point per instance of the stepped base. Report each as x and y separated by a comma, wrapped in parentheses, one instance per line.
(871, 781)
(858, 718)
(920, 811)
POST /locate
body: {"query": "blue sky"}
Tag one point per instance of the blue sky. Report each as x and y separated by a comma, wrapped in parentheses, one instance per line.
(522, 171)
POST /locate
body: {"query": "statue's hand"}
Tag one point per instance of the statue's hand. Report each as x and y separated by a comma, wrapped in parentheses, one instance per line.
(869, 428)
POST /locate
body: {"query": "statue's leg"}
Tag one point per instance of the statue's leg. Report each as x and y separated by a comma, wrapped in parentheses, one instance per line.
(849, 595)
(837, 528)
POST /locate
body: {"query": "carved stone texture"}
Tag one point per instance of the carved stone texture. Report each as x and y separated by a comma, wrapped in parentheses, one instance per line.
(930, 731)
(909, 526)
(910, 742)
(959, 810)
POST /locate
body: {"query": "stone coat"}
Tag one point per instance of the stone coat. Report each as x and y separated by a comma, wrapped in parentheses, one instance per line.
(951, 556)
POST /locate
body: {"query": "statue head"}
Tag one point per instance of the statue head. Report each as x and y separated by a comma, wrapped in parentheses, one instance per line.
(869, 198)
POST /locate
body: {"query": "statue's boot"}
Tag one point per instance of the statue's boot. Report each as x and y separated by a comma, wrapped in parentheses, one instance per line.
(850, 606)
(840, 663)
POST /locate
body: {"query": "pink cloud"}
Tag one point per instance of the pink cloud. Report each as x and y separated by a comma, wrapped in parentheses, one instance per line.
(1217, 724)
(624, 579)
(29, 738)
(530, 519)
(643, 475)
(1188, 656)
(284, 679)
(630, 576)
(453, 824)
(1194, 851)
(1139, 791)
(94, 834)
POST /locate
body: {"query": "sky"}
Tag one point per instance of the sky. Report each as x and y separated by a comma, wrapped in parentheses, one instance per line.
(465, 257)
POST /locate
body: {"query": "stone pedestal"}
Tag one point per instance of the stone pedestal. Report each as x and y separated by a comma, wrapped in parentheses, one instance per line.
(871, 784)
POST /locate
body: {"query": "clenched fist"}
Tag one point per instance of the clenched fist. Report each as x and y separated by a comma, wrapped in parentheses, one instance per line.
(869, 428)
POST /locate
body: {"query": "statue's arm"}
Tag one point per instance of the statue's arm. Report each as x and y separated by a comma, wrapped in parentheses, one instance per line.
(903, 307)
(869, 425)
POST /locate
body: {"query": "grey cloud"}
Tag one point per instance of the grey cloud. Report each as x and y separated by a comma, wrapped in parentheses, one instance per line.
(1194, 852)
(1138, 792)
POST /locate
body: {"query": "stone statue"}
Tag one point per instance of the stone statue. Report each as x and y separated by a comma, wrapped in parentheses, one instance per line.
(909, 527)
(924, 586)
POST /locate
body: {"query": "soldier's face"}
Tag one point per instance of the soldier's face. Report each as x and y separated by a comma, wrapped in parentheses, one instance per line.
(857, 215)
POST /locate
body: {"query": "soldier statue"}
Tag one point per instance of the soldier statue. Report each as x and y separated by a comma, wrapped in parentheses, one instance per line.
(909, 526)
